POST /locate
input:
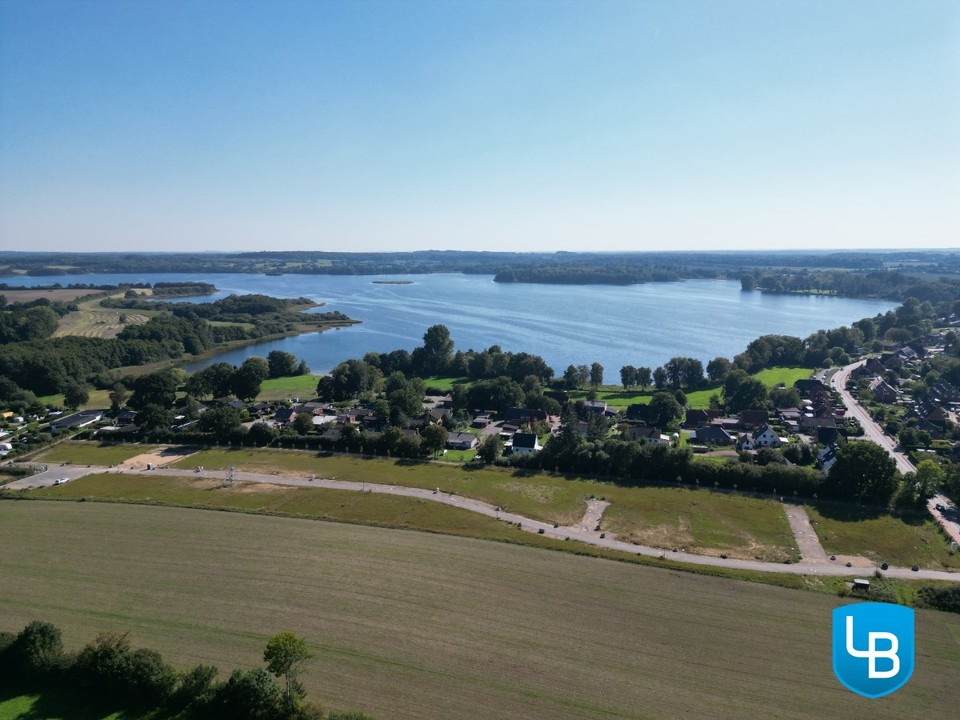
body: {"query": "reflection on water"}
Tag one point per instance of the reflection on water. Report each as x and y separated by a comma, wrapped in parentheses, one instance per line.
(613, 325)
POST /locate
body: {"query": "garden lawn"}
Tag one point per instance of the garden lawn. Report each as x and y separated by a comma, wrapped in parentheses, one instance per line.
(881, 537)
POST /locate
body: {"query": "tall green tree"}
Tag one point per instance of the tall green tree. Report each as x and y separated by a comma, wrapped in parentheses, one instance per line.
(596, 374)
(285, 656)
(863, 472)
(75, 395)
(490, 449)
(159, 388)
(665, 410)
(118, 396)
(37, 647)
(437, 350)
(644, 377)
(281, 364)
(433, 438)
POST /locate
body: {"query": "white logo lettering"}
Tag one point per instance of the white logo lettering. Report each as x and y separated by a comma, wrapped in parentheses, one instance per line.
(871, 653)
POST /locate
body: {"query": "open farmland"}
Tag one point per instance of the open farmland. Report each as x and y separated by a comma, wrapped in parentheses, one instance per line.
(101, 323)
(51, 294)
(412, 625)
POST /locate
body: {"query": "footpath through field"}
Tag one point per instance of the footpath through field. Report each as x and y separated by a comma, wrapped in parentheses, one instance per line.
(534, 526)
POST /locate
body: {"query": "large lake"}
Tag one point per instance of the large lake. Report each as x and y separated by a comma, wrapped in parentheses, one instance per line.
(613, 325)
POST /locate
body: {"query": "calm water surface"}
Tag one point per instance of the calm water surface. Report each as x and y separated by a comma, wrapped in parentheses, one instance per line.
(613, 325)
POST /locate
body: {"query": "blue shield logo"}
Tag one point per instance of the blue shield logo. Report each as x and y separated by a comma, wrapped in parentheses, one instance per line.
(873, 647)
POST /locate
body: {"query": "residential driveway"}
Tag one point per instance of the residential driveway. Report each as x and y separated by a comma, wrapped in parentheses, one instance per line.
(529, 525)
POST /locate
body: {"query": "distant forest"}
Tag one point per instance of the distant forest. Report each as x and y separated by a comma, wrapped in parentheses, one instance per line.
(895, 275)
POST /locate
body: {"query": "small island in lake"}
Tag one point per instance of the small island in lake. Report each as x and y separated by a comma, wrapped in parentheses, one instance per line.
(392, 282)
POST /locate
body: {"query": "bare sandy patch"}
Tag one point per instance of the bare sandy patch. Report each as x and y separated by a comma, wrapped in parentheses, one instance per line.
(159, 457)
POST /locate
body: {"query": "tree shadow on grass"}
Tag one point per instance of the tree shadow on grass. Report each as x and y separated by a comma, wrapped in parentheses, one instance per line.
(69, 703)
(848, 512)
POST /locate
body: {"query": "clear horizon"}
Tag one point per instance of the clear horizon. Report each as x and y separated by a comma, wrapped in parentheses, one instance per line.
(505, 126)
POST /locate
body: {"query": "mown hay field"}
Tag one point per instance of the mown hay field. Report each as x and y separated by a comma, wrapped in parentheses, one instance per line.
(413, 625)
(98, 323)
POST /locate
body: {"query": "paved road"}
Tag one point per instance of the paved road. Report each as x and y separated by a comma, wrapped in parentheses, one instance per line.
(873, 432)
(533, 526)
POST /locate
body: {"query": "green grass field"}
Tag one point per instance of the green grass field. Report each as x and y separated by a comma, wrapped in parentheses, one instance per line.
(301, 386)
(755, 528)
(52, 705)
(882, 538)
(698, 399)
(412, 625)
(98, 399)
(702, 521)
(336, 505)
(88, 453)
(772, 377)
(442, 382)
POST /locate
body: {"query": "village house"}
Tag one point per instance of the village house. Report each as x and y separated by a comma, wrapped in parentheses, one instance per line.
(526, 443)
(764, 436)
(750, 419)
(714, 435)
(77, 420)
(461, 441)
(698, 418)
(882, 392)
(642, 433)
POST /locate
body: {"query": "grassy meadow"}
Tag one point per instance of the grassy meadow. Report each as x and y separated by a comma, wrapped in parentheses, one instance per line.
(739, 526)
(702, 521)
(89, 453)
(881, 537)
(617, 397)
(283, 388)
(412, 625)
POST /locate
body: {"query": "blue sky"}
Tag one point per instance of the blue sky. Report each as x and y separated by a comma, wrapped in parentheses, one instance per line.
(219, 125)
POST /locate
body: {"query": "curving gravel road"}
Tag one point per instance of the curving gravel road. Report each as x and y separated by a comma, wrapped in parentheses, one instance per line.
(478, 506)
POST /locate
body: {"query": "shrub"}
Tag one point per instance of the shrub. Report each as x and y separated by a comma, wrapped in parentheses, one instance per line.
(250, 695)
(939, 597)
(37, 649)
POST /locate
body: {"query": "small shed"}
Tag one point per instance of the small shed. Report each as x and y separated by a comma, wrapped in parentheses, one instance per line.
(861, 584)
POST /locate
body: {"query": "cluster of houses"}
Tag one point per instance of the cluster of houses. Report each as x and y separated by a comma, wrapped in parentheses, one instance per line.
(513, 428)
(929, 413)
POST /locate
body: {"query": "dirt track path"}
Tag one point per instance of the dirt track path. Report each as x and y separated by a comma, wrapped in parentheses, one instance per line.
(478, 506)
(591, 518)
(809, 543)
